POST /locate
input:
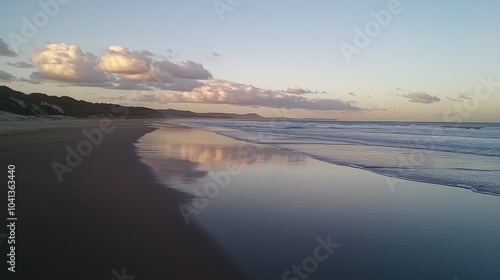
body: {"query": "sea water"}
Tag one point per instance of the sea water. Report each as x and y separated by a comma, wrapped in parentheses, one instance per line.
(462, 155)
(268, 208)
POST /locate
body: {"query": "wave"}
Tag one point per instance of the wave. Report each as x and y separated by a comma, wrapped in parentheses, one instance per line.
(437, 153)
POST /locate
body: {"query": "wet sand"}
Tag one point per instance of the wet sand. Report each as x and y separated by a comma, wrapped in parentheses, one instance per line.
(269, 215)
(109, 213)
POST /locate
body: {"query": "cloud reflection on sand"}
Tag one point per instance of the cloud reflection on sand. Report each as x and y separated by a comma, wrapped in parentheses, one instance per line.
(182, 155)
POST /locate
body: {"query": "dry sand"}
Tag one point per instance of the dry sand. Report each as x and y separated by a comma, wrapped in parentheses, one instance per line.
(107, 214)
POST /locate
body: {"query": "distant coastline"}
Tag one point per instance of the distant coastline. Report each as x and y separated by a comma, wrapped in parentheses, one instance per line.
(46, 106)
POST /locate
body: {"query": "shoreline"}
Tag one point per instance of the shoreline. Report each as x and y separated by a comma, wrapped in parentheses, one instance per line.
(280, 202)
(108, 214)
(388, 177)
(392, 179)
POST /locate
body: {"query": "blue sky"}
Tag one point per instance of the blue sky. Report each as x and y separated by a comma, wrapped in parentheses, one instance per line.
(426, 63)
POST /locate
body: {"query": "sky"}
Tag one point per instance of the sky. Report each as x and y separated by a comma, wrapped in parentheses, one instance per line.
(349, 60)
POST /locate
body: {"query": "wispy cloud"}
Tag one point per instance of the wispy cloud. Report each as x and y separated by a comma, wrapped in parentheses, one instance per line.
(460, 98)
(6, 77)
(214, 56)
(21, 64)
(463, 96)
(421, 97)
(171, 53)
(4, 49)
(298, 90)
(31, 81)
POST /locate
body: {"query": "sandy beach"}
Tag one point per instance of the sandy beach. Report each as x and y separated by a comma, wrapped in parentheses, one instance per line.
(110, 210)
(108, 217)
(250, 140)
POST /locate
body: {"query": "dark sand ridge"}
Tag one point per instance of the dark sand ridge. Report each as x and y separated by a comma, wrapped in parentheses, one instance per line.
(107, 214)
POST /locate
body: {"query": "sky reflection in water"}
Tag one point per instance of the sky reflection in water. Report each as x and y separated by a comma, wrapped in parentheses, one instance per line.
(272, 212)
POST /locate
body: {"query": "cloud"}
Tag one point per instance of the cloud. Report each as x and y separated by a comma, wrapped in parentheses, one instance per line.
(351, 93)
(460, 98)
(21, 64)
(171, 53)
(139, 66)
(214, 56)
(183, 70)
(30, 81)
(180, 85)
(126, 69)
(6, 77)
(121, 60)
(124, 84)
(463, 96)
(117, 68)
(298, 90)
(4, 49)
(68, 65)
(421, 97)
(227, 92)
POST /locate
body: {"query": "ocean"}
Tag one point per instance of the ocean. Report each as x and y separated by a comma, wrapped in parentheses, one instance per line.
(273, 207)
(463, 155)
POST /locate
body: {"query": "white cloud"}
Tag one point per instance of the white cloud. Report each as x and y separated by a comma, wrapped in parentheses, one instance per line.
(421, 97)
(118, 68)
(121, 60)
(125, 69)
(139, 66)
(67, 64)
